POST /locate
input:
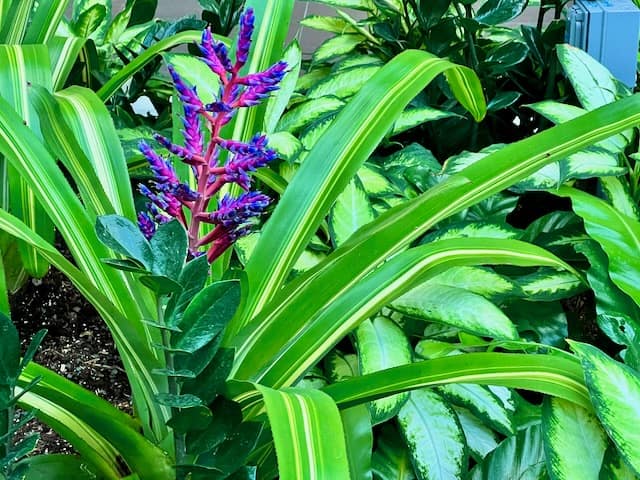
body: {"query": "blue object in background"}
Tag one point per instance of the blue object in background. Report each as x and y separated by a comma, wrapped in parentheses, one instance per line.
(608, 31)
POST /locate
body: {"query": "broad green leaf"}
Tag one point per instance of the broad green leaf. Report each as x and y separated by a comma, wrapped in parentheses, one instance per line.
(207, 315)
(335, 46)
(617, 234)
(480, 438)
(169, 247)
(381, 344)
(124, 237)
(574, 442)
(339, 365)
(548, 285)
(480, 229)
(480, 280)
(351, 211)
(327, 24)
(344, 83)
(434, 436)
(390, 458)
(482, 403)
(336, 158)
(196, 73)
(494, 12)
(286, 145)
(615, 393)
(355, 4)
(458, 308)
(545, 322)
(64, 52)
(45, 20)
(594, 85)
(520, 456)
(88, 22)
(561, 376)
(307, 432)
(306, 113)
(375, 182)
(617, 192)
(412, 117)
(14, 26)
(278, 101)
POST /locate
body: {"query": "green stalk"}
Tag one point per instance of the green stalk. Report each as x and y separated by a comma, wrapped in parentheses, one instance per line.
(180, 447)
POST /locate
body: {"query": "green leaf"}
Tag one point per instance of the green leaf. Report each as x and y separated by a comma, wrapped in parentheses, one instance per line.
(355, 4)
(327, 24)
(574, 442)
(434, 436)
(616, 233)
(494, 12)
(480, 438)
(382, 344)
(458, 308)
(169, 248)
(207, 315)
(56, 467)
(617, 192)
(594, 85)
(615, 392)
(335, 46)
(359, 441)
(520, 456)
(483, 403)
(412, 117)
(124, 237)
(351, 211)
(196, 73)
(44, 21)
(307, 432)
(344, 83)
(391, 459)
(307, 112)
(480, 280)
(548, 285)
(89, 21)
(614, 468)
(192, 279)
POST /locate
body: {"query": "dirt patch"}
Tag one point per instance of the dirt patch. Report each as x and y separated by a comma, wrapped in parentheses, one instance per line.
(78, 345)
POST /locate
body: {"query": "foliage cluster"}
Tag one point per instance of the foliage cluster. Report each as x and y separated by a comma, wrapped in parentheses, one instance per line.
(386, 319)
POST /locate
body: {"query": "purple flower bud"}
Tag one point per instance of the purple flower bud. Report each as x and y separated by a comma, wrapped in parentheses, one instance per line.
(210, 51)
(271, 76)
(193, 140)
(187, 95)
(254, 95)
(162, 170)
(235, 214)
(146, 224)
(163, 200)
(183, 192)
(247, 21)
(177, 150)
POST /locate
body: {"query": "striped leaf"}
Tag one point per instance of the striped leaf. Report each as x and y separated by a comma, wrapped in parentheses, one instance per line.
(617, 234)
(615, 392)
(44, 21)
(22, 66)
(14, 27)
(63, 52)
(457, 308)
(277, 103)
(560, 376)
(334, 161)
(307, 432)
(91, 123)
(434, 436)
(134, 66)
(381, 344)
(574, 442)
(285, 358)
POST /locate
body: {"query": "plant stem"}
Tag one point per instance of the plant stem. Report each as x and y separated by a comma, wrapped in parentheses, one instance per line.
(174, 389)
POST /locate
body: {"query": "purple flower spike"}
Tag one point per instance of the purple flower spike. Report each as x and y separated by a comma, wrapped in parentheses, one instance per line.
(146, 224)
(254, 95)
(188, 96)
(271, 76)
(177, 150)
(162, 170)
(163, 200)
(234, 214)
(247, 21)
(192, 132)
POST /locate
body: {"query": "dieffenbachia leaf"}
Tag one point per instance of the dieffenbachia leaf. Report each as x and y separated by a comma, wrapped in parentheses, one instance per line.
(615, 392)
(574, 442)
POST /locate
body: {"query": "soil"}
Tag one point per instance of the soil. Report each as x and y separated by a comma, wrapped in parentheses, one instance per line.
(78, 345)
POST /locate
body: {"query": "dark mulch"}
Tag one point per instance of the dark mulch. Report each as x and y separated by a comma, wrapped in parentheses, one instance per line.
(78, 345)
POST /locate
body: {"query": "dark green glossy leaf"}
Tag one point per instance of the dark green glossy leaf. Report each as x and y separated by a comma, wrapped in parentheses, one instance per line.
(178, 401)
(56, 467)
(123, 236)
(227, 415)
(207, 315)
(391, 459)
(169, 248)
(32, 348)
(160, 284)
(9, 351)
(187, 419)
(494, 12)
(211, 381)
(192, 279)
